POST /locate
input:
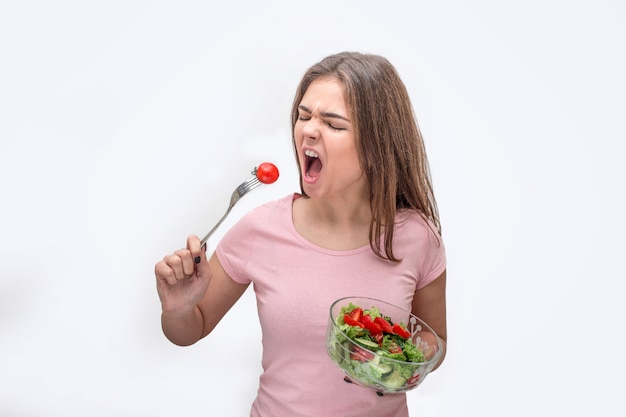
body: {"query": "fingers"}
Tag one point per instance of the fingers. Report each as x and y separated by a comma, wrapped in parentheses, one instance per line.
(175, 267)
(183, 263)
(164, 272)
(349, 381)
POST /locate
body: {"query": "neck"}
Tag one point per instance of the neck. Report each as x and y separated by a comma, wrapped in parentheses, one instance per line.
(342, 213)
(332, 224)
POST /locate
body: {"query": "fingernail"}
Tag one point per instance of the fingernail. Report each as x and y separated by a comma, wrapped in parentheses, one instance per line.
(197, 259)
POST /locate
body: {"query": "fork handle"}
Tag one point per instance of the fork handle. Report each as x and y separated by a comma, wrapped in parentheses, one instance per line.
(208, 235)
(239, 192)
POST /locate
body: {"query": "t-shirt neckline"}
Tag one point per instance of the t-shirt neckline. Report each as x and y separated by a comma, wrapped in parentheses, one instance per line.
(304, 241)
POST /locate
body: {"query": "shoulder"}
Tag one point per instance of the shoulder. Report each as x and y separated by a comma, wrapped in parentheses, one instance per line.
(262, 224)
(412, 221)
(268, 215)
(415, 231)
(417, 241)
(272, 209)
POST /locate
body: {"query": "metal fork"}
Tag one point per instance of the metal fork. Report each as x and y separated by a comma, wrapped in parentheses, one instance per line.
(243, 189)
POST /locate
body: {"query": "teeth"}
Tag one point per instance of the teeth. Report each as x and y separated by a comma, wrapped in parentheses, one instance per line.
(311, 153)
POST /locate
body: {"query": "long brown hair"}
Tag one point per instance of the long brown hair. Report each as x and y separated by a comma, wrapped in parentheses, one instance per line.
(389, 143)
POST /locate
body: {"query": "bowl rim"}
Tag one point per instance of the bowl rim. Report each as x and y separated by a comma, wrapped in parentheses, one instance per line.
(431, 361)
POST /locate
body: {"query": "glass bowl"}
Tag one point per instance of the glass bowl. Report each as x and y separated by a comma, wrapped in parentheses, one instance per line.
(366, 363)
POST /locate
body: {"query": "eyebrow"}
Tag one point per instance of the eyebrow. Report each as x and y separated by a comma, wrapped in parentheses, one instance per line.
(325, 114)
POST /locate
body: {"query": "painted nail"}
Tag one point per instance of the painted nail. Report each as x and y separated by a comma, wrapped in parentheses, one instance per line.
(197, 259)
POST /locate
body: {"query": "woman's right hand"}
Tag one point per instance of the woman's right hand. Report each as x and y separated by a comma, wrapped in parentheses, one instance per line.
(183, 277)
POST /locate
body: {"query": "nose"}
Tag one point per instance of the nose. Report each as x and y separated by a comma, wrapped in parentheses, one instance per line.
(310, 129)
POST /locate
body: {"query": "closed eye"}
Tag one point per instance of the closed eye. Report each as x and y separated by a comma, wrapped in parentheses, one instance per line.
(335, 127)
(304, 115)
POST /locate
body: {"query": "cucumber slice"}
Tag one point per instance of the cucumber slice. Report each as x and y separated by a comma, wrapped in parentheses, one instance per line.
(379, 354)
(395, 380)
(382, 368)
(366, 343)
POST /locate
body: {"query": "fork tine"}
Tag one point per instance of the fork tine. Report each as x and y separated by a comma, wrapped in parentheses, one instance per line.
(239, 192)
(248, 185)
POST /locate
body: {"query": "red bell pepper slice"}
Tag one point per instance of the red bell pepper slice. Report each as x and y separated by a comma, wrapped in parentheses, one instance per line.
(349, 320)
(356, 314)
(413, 379)
(384, 324)
(361, 354)
(400, 331)
(370, 325)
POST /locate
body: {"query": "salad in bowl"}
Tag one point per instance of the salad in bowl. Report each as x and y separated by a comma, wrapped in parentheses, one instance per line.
(379, 345)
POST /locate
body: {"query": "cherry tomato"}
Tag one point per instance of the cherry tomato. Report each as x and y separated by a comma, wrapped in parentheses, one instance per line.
(266, 172)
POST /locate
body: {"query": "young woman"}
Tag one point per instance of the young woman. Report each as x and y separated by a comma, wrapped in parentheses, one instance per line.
(364, 223)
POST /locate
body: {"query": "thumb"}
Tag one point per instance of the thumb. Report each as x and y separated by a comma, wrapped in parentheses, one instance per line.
(203, 270)
(198, 254)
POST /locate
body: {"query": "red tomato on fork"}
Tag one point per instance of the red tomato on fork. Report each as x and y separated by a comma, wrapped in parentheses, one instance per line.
(266, 172)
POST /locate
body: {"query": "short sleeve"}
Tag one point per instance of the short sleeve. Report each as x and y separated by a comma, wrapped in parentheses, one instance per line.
(230, 250)
(434, 259)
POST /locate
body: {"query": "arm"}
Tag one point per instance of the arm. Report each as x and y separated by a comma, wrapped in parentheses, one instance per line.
(429, 304)
(221, 295)
(194, 295)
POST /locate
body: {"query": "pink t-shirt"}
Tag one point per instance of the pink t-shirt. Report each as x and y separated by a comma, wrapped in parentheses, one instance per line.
(295, 283)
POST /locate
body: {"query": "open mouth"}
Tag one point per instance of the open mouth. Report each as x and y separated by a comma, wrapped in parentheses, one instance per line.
(313, 165)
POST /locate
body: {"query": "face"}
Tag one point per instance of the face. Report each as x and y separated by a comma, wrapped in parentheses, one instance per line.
(325, 144)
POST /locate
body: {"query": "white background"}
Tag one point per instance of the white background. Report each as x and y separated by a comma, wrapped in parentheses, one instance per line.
(125, 125)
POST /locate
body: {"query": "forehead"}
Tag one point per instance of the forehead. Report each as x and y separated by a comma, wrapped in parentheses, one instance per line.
(325, 91)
